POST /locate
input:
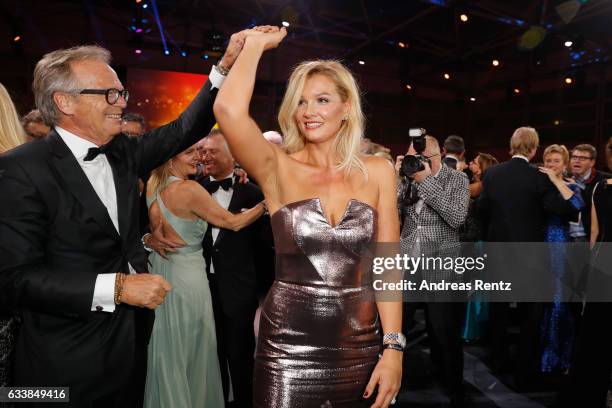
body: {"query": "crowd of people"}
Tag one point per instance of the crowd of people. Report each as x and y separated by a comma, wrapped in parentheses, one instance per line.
(135, 260)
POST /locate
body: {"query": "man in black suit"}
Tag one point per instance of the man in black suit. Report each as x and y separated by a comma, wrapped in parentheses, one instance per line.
(514, 202)
(453, 151)
(73, 265)
(231, 269)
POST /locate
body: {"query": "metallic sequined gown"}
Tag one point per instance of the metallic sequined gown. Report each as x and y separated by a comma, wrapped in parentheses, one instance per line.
(319, 335)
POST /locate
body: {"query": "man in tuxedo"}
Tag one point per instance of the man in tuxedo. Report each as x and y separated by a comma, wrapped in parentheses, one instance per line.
(73, 265)
(514, 202)
(231, 270)
(453, 150)
(431, 227)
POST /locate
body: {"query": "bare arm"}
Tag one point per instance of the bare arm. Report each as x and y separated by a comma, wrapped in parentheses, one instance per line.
(231, 109)
(388, 372)
(205, 207)
(594, 221)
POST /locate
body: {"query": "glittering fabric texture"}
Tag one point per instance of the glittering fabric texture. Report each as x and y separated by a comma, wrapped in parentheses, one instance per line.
(319, 335)
(8, 326)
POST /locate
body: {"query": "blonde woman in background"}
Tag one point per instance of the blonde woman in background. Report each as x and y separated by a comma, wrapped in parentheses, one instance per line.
(11, 131)
(11, 135)
(183, 368)
(319, 337)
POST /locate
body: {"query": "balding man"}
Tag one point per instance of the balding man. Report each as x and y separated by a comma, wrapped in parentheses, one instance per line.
(431, 224)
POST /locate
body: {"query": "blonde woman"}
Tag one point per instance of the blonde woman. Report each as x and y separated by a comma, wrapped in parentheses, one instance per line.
(11, 135)
(11, 131)
(183, 369)
(319, 337)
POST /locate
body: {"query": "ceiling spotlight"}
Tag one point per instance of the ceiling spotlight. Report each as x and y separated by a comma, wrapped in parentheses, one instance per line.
(138, 51)
(409, 87)
(286, 24)
(361, 62)
(557, 122)
(144, 6)
(495, 63)
(516, 91)
(17, 38)
(401, 44)
(166, 52)
(446, 75)
(569, 80)
(205, 56)
(568, 43)
(464, 17)
(138, 1)
(472, 99)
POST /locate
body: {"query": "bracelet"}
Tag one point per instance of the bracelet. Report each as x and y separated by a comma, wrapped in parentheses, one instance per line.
(119, 280)
(393, 346)
(144, 244)
(221, 69)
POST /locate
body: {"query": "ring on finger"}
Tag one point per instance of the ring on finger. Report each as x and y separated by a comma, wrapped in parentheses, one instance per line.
(393, 401)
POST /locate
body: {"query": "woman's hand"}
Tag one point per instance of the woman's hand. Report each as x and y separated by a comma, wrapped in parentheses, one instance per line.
(388, 376)
(551, 174)
(266, 36)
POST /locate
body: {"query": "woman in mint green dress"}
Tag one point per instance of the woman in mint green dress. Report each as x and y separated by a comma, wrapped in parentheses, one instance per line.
(183, 369)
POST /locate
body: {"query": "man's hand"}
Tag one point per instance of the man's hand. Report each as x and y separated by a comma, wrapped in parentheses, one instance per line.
(423, 174)
(144, 290)
(236, 43)
(243, 177)
(398, 163)
(159, 243)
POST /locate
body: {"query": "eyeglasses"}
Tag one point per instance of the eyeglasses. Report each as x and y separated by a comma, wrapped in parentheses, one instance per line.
(581, 158)
(112, 94)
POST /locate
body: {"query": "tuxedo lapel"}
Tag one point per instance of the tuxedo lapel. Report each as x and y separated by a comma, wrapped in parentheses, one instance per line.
(122, 187)
(77, 183)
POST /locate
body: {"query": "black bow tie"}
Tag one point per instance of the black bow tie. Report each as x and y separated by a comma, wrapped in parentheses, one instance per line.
(93, 152)
(214, 185)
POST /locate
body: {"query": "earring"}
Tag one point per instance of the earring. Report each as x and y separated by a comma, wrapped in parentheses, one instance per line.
(344, 119)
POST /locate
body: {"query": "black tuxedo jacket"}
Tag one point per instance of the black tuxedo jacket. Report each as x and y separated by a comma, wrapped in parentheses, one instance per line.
(450, 162)
(234, 253)
(55, 238)
(515, 199)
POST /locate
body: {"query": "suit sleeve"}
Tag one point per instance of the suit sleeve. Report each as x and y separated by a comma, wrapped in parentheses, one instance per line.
(452, 202)
(553, 202)
(26, 278)
(159, 145)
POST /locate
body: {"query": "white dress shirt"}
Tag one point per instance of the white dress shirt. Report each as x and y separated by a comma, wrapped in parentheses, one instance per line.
(223, 198)
(100, 175)
(520, 156)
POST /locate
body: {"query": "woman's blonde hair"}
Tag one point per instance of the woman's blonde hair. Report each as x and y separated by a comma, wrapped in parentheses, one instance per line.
(555, 148)
(159, 178)
(11, 131)
(346, 143)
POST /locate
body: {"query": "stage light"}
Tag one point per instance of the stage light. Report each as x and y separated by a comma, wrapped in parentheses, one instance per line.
(205, 57)
(166, 52)
(401, 44)
(17, 38)
(568, 43)
(472, 99)
(568, 80)
(409, 87)
(446, 75)
(144, 6)
(361, 62)
(464, 17)
(184, 53)
(557, 122)
(138, 51)
(516, 91)
(286, 24)
(495, 63)
(138, 1)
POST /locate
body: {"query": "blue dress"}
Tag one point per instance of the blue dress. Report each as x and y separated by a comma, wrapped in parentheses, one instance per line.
(557, 329)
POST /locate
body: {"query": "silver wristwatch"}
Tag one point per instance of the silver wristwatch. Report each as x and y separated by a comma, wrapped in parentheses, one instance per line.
(395, 338)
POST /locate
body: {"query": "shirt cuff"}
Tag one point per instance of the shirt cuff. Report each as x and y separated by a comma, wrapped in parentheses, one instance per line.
(104, 293)
(215, 77)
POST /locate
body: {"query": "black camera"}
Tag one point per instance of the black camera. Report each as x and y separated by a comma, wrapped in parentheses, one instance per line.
(414, 163)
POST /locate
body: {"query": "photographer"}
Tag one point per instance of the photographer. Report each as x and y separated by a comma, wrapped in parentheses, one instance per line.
(433, 200)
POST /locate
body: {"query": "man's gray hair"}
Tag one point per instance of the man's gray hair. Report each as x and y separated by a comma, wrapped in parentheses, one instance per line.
(53, 73)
